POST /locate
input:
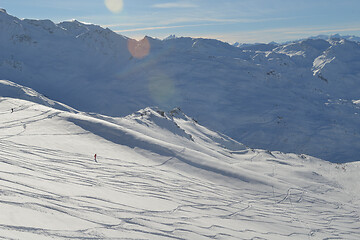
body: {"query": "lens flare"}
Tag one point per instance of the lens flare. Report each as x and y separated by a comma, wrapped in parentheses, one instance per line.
(114, 6)
(161, 88)
(139, 49)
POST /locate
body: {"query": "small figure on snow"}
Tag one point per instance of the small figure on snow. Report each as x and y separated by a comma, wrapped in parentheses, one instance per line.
(12, 110)
(95, 158)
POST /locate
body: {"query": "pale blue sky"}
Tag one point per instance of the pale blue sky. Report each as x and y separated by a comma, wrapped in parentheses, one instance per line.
(227, 20)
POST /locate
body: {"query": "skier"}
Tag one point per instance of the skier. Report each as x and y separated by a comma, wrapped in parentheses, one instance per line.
(95, 157)
(12, 110)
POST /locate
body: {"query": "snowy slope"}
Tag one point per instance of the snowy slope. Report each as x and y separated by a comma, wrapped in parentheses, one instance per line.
(13, 90)
(159, 175)
(294, 97)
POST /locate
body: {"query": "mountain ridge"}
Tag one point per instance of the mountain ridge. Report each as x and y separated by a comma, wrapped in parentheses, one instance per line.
(294, 97)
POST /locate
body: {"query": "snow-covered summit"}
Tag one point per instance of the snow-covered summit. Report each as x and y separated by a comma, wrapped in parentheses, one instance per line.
(337, 36)
(172, 36)
(77, 28)
(256, 46)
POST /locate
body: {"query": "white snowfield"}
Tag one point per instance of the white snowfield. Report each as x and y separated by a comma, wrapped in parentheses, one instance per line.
(293, 97)
(158, 176)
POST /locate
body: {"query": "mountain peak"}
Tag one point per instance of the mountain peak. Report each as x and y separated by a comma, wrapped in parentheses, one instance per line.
(2, 10)
(172, 36)
(76, 27)
(336, 37)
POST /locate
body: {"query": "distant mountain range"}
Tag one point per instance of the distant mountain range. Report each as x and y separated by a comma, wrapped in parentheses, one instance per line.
(323, 37)
(300, 97)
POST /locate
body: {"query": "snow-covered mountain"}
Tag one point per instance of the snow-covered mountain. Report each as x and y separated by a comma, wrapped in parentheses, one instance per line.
(337, 36)
(158, 175)
(297, 97)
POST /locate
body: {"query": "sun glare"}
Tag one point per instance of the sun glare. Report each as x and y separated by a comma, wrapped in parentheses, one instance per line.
(114, 6)
(161, 88)
(139, 49)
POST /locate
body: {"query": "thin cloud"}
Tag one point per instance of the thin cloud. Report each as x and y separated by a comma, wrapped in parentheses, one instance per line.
(161, 27)
(243, 20)
(281, 34)
(183, 21)
(329, 30)
(175, 5)
(120, 25)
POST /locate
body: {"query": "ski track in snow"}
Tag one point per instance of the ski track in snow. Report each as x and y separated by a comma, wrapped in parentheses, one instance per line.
(55, 193)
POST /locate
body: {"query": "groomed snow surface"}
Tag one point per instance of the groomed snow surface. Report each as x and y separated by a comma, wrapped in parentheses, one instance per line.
(159, 176)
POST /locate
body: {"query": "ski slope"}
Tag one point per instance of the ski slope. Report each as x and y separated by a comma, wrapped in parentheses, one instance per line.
(159, 175)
